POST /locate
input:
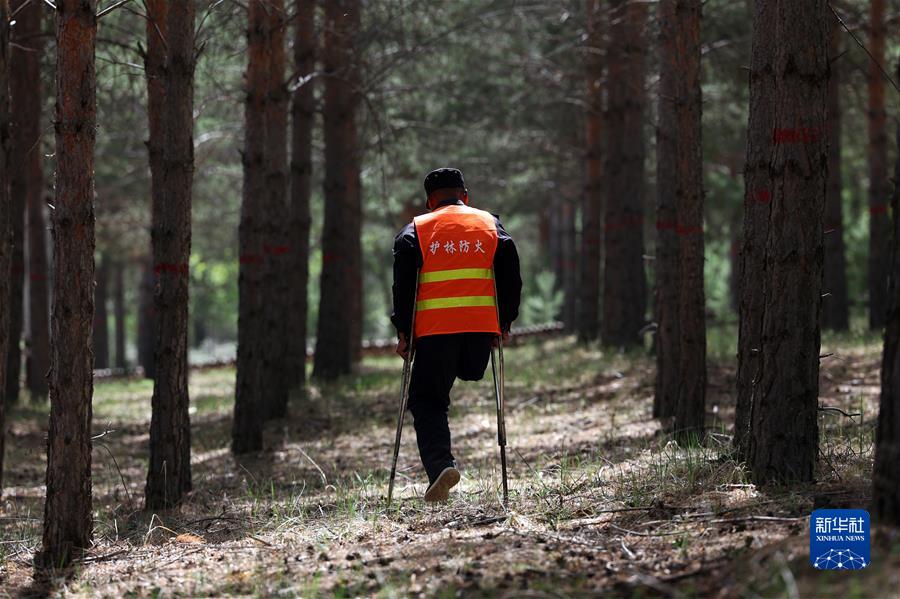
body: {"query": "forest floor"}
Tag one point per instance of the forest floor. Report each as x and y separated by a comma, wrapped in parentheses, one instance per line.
(601, 500)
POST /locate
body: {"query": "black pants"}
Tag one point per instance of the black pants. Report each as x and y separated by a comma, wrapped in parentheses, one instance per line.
(440, 360)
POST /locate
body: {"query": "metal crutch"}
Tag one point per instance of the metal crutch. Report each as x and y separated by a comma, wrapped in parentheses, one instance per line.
(404, 390)
(500, 400)
(501, 419)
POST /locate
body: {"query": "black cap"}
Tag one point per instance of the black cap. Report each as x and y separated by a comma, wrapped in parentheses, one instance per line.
(442, 178)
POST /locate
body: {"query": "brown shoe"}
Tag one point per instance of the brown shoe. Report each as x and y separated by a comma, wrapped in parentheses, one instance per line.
(440, 489)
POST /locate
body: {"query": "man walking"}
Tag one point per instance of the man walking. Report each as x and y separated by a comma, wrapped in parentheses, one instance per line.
(468, 294)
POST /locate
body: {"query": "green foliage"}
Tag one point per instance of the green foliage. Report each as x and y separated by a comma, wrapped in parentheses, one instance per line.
(544, 301)
(495, 88)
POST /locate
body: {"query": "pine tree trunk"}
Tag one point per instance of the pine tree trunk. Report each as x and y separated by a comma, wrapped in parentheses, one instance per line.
(23, 82)
(340, 300)
(879, 224)
(569, 268)
(101, 315)
(155, 71)
(67, 510)
(276, 251)
(835, 308)
(119, 313)
(27, 104)
(667, 262)
(783, 439)
(757, 203)
(248, 406)
(169, 471)
(592, 205)
(690, 408)
(5, 233)
(146, 317)
(302, 118)
(886, 475)
(625, 287)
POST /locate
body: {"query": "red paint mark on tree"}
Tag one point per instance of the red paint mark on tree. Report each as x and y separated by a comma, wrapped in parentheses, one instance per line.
(762, 196)
(664, 225)
(799, 135)
(685, 230)
(878, 208)
(276, 250)
(168, 267)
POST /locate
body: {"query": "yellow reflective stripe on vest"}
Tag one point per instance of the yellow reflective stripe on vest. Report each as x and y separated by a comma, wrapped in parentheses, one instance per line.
(466, 301)
(456, 274)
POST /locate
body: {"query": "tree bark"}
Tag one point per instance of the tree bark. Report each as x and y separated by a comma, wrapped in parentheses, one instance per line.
(119, 313)
(303, 109)
(155, 71)
(67, 509)
(879, 224)
(340, 288)
(249, 401)
(101, 315)
(886, 475)
(169, 471)
(625, 288)
(146, 317)
(276, 251)
(27, 104)
(592, 206)
(667, 263)
(690, 407)
(5, 233)
(835, 307)
(783, 439)
(25, 114)
(758, 190)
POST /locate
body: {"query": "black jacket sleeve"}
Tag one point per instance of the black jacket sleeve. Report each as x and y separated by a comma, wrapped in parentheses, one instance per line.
(407, 261)
(508, 277)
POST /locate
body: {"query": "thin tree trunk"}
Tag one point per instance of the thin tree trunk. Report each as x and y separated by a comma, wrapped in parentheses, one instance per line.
(302, 118)
(339, 305)
(146, 317)
(27, 104)
(5, 233)
(625, 287)
(67, 510)
(886, 475)
(758, 190)
(23, 82)
(783, 439)
(248, 406)
(569, 267)
(690, 408)
(667, 262)
(119, 313)
(879, 224)
(835, 308)
(155, 71)
(169, 471)
(276, 379)
(592, 206)
(101, 315)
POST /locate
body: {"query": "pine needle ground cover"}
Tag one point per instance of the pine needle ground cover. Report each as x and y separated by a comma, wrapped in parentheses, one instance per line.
(601, 499)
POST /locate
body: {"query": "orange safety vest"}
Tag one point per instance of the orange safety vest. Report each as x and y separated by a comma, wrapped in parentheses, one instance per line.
(456, 283)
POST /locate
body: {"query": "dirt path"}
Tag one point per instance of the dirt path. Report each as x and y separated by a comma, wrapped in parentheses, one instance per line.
(601, 500)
